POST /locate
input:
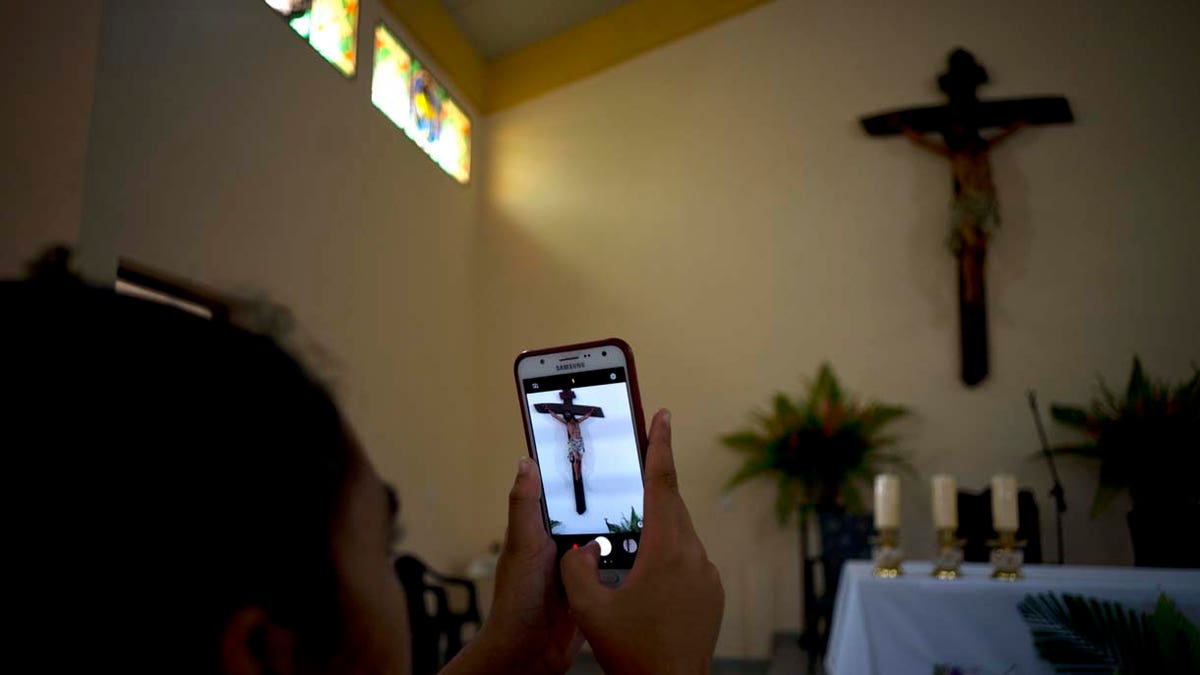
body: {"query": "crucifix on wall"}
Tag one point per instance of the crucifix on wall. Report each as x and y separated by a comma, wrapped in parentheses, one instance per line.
(572, 416)
(975, 214)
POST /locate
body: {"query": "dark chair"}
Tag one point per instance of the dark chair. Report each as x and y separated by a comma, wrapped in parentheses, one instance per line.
(975, 525)
(437, 630)
(844, 537)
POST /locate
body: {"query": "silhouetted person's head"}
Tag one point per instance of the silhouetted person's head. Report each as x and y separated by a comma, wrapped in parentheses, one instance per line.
(181, 496)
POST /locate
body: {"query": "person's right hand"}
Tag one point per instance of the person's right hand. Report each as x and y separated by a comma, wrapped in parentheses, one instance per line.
(665, 616)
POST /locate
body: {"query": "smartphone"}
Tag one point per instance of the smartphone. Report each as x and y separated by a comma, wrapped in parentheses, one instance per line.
(585, 429)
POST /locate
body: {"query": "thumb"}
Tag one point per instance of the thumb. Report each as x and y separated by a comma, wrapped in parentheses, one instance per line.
(662, 484)
(581, 578)
(526, 530)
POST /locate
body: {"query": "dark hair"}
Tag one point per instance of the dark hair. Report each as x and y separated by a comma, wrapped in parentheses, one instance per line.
(163, 471)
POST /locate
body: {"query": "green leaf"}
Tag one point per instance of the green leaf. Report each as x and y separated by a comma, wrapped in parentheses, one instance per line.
(747, 441)
(894, 460)
(784, 408)
(785, 499)
(1138, 387)
(876, 416)
(1070, 416)
(826, 385)
(1177, 637)
(752, 468)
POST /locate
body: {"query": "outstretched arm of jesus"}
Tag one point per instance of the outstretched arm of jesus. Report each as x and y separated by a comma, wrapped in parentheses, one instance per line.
(922, 141)
(1005, 133)
(560, 418)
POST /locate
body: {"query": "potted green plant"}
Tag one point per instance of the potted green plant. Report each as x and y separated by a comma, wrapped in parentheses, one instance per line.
(1148, 443)
(820, 449)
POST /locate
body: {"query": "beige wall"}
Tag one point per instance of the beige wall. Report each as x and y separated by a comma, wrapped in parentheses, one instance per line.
(49, 56)
(714, 203)
(225, 151)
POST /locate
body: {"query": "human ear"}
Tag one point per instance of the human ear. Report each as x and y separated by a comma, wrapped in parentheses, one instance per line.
(252, 645)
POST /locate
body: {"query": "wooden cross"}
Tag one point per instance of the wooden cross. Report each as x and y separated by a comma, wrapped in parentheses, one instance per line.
(571, 416)
(976, 211)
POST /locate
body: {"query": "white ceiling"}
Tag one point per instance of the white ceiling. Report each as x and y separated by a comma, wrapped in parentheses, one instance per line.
(497, 28)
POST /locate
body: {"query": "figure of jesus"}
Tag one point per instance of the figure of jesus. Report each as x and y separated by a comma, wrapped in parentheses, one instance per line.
(575, 447)
(975, 214)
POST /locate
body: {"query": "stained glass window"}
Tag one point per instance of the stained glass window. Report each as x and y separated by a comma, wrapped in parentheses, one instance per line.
(330, 26)
(404, 90)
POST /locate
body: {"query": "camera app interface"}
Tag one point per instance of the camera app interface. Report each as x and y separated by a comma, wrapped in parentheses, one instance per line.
(583, 433)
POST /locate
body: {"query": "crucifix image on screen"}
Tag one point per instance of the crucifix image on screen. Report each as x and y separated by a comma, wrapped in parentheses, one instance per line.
(587, 452)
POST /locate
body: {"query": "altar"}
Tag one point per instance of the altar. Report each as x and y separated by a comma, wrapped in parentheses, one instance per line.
(914, 624)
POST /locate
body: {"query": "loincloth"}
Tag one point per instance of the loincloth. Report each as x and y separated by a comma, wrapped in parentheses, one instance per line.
(982, 210)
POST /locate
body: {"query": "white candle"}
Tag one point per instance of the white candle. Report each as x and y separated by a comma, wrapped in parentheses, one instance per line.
(887, 502)
(945, 502)
(1004, 502)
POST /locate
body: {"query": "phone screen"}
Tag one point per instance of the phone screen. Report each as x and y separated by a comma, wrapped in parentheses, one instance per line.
(583, 432)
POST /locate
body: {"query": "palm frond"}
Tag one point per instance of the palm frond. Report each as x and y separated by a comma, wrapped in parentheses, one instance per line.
(784, 408)
(878, 415)
(1070, 416)
(826, 386)
(786, 499)
(751, 468)
(1075, 634)
(1138, 387)
(895, 461)
(747, 441)
(1078, 636)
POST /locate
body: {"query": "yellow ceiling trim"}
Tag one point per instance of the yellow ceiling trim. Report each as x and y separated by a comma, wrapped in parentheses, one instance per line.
(625, 32)
(440, 37)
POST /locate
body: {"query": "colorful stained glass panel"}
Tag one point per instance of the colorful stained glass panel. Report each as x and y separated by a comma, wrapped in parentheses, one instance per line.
(330, 26)
(408, 94)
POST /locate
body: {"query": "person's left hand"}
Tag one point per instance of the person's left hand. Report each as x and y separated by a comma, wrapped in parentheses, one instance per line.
(529, 628)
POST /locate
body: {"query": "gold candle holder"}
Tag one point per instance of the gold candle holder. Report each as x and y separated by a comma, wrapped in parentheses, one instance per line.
(1007, 556)
(947, 564)
(887, 554)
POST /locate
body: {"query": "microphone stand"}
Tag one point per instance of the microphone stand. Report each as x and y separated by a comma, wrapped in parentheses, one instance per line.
(1060, 502)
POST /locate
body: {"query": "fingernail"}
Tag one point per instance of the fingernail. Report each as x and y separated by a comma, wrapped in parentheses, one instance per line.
(524, 465)
(666, 416)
